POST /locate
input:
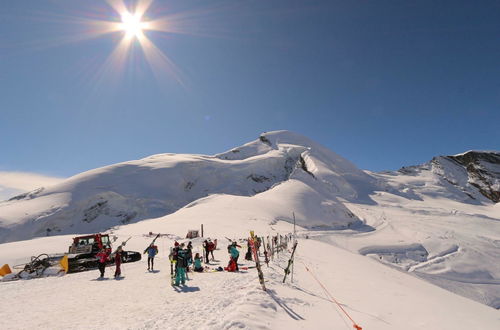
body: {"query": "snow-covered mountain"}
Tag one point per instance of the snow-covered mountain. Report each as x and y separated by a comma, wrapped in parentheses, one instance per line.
(439, 221)
(162, 184)
(472, 177)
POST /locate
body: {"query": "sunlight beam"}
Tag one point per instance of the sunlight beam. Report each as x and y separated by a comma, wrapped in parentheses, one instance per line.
(158, 61)
(118, 5)
(142, 7)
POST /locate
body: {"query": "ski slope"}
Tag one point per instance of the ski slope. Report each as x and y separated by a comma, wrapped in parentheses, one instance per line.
(375, 296)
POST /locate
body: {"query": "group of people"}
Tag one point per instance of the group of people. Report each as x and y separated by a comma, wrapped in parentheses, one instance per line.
(103, 257)
(181, 256)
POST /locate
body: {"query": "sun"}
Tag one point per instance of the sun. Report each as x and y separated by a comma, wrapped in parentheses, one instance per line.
(133, 22)
(133, 25)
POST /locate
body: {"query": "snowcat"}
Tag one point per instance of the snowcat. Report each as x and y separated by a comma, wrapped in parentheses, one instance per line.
(82, 253)
(81, 256)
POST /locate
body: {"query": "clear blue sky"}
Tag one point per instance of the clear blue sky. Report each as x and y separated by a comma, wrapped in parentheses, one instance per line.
(382, 83)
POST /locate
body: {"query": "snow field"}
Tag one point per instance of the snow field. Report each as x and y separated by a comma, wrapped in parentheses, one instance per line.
(375, 296)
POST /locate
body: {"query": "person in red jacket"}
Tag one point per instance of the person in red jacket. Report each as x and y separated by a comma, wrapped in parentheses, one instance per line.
(118, 262)
(102, 258)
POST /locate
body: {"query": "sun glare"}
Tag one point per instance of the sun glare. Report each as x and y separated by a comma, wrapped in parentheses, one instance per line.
(132, 25)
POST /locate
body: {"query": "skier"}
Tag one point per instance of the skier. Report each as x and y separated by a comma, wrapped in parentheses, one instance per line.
(197, 263)
(235, 254)
(152, 251)
(205, 249)
(118, 262)
(180, 266)
(211, 248)
(102, 258)
(248, 255)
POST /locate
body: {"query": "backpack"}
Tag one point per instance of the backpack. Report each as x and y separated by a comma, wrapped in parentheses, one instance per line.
(211, 246)
(175, 252)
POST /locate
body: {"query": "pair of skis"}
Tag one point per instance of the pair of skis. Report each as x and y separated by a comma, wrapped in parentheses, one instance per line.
(121, 246)
(290, 262)
(256, 258)
(153, 242)
(172, 261)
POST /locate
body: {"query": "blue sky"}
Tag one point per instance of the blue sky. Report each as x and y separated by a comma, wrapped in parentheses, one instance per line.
(382, 83)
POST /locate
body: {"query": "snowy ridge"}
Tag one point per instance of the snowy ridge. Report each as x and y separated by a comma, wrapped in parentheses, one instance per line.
(162, 184)
(473, 176)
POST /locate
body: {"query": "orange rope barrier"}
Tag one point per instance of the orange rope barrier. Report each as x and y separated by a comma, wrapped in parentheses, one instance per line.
(332, 299)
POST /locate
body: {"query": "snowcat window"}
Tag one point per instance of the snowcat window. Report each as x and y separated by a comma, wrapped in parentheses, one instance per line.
(90, 240)
(105, 240)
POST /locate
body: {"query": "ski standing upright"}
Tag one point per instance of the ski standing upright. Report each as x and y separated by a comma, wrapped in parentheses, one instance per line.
(290, 262)
(257, 262)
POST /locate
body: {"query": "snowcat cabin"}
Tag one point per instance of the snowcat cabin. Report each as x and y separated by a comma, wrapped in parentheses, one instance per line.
(105, 242)
(90, 244)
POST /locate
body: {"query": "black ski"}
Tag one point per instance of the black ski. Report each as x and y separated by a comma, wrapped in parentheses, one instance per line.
(266, 258)
(153, 242)
(290, 261)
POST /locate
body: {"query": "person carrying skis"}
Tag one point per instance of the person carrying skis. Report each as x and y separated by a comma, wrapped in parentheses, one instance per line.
(180, 265)
(235, 254)
(197, 263)
(102, 258)
(118, 262)
(152, 251)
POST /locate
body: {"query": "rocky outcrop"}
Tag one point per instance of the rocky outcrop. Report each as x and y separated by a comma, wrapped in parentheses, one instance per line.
(483, 169)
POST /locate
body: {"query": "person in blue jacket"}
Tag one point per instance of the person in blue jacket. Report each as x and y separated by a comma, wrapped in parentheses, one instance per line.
(152, 251)
(197, 263)
(235, 254)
